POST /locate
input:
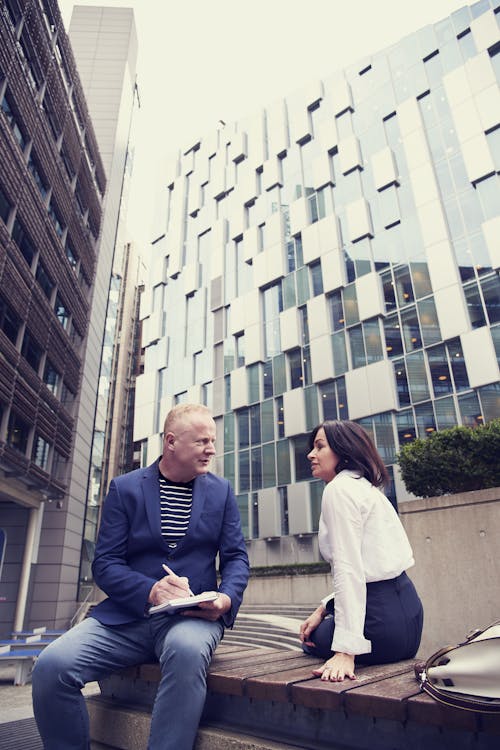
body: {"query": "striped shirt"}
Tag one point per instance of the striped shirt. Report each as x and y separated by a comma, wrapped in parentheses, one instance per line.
(176, 499)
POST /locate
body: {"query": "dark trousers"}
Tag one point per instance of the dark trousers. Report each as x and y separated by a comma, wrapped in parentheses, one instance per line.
(393, 623)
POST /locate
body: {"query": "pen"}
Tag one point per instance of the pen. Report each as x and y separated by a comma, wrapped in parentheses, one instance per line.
(171, 573)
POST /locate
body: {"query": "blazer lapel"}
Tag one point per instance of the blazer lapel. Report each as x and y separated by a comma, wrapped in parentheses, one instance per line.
(151, 492)
(199, 493)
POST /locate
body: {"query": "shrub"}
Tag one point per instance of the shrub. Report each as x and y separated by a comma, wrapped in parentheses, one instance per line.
(459, 459)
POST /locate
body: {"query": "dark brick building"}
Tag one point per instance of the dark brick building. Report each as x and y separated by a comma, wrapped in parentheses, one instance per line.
(52, 184)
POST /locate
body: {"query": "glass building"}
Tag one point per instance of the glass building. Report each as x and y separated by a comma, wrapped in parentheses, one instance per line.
(334, 256)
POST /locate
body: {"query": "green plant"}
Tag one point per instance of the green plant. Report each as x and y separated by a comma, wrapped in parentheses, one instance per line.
(455, 460)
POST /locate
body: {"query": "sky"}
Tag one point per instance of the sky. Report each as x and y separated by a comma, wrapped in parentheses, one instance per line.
(201, 61)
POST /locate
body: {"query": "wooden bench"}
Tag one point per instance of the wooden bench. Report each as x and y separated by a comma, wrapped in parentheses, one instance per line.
(271, 694)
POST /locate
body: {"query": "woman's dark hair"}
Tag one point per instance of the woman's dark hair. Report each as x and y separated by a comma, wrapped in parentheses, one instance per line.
(355, 449)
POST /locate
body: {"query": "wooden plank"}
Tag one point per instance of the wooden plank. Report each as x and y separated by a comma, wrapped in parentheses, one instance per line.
(383, 699)
(230, 679)
(276, 686)
(329, 695)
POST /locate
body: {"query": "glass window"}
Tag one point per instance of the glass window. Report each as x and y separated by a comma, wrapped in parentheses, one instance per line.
(255, 515)
(429, 321)
(402, 383)
(289, 296)
(44, 280)
(23, 242)
(411, 330)
(283, 462)
(279, 371)
(417, 377)
(31, 351)
(316, 278)
(490, 401)
(373, 342)
(244, 470)
(350, 305)
(458, 368)
(295, 364)
(239, 348)
(268, 466)
(243, 428)
(384, 437)
(470, 411)
(5, 207)
(267, 378)
(405, 425)
(61, 312)
(256, 466)
(267, 420)
(336, 311)
(424, 417)
(228, 432)
(17, 433)
(342, 398)
(229, 468)
(311, 406)
(328, 400)
(10, 322)
(242, 502)
(273, 305)
(491, 294)
(340, 363)
(253, 375)
(255, 436)
(280, 417)
(389, 294)
(421, 279)
(445, 413)
(14, 121)
(283, 495)
(393, 342)
(316, 492)
(300, 451)
(440, 371)
(51, 377)
(495, 335)
(357, 347)
(303, 291)
(40, 455)
(404, 289)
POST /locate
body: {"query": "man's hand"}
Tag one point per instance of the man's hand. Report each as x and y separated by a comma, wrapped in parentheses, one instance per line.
(169, 587)
(210, 610)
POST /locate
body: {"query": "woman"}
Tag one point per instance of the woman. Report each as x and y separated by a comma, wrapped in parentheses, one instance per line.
(374, 614)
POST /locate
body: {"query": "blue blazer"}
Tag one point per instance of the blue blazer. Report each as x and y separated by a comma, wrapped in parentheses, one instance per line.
(130, 549)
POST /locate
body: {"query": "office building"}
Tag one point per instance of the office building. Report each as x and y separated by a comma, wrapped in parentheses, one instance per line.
(52, 184)
(335, 255)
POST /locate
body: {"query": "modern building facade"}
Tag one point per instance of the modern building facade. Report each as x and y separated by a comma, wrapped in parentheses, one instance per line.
(104, 41)
(334, 256)
(52, 184)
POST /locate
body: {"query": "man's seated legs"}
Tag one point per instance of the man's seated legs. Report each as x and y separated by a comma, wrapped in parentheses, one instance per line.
(83, 654)
(184, 649)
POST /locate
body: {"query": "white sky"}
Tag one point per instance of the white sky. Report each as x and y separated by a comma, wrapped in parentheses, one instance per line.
(205, 60)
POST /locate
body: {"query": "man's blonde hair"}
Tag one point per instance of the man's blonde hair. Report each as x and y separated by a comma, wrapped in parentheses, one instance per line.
(180, 412)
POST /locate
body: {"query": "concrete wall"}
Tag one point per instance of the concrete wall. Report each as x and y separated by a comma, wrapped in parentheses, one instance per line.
(456, 543)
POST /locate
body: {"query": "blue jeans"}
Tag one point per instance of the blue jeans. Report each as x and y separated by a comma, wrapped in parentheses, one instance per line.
(90, 651)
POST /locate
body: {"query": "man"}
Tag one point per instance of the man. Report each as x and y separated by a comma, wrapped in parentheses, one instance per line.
(173, 516)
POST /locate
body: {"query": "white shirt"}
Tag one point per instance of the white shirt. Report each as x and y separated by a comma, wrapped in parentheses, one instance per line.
(362, 538)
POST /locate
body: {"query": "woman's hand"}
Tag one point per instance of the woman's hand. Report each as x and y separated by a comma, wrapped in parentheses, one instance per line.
(311, 624)
(340, 665)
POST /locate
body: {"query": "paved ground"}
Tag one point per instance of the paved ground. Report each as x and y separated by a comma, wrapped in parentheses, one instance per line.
(17, 726)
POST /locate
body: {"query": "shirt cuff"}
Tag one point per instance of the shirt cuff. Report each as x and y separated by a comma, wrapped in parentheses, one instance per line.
(350, 643)
(327, 599)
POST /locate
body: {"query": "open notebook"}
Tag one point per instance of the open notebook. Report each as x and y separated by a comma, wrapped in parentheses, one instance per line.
(187, 602)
